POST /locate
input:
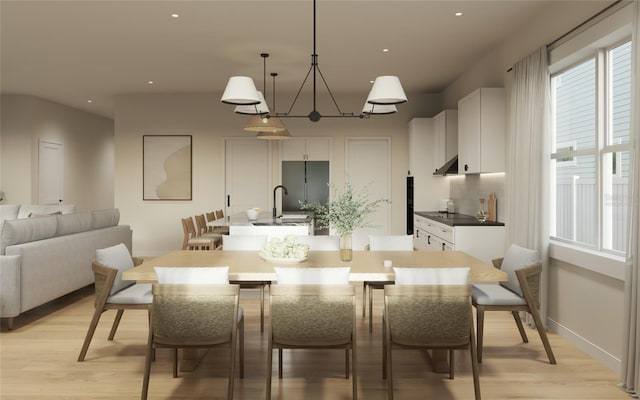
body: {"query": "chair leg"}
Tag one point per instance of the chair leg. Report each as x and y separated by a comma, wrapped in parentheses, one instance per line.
(354, 370)
(474, 364)
(523, 334)
(269, 367)
(389, 372)
(451, 363)
(384, 349)
(232, 367)
(364, 298)
(116, 323)
(175, 362)
(543, 335)
(370, 309)
(280, 363)
(262, 307)
(92, 329)
(480, 329)
(241, 338)
(147, 366)
(346, 364)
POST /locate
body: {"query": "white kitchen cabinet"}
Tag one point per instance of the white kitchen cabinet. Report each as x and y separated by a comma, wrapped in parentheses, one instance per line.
(427, 189)
(305, 149)
(445, 129)
(484, 242)
(481, 131)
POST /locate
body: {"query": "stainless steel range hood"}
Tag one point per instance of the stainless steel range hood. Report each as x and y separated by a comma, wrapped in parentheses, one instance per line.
(449, 168)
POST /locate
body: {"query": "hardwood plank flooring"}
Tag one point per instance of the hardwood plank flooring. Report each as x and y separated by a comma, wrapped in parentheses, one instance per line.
(38, 361)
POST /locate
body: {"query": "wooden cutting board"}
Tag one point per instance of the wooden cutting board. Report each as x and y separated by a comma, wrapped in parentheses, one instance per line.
(492, 212)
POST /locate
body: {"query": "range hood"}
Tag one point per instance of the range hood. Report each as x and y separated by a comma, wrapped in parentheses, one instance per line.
(449, 168)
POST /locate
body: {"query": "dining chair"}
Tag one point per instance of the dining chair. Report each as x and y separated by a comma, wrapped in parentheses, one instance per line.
(312, 308)
(521, 292)
(210, 216)
(195, 316)
(382, 243)
(320, 242)
(112, 293)
(192, 241)
(428, 317)
(202, 230)
(248, 243)
(222, 229)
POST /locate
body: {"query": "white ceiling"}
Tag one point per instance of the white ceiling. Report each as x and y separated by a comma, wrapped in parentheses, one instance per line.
(74, 51)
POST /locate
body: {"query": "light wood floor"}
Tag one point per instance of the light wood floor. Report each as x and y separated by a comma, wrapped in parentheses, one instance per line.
(38, 361)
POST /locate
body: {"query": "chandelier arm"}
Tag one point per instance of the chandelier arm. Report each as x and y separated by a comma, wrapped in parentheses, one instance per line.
(298, 94)
(328, 90)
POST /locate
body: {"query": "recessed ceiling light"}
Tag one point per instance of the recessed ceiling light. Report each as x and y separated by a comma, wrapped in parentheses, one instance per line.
(385, 50)
(174, 15)
(458, 14)
(150, 82)
(89, 101)
(370, 81)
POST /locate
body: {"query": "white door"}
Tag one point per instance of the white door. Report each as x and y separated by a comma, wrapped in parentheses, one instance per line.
(368, 162)
(247, 175)
(50, 172)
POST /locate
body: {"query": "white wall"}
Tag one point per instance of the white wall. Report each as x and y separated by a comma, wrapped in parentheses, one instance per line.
(156, 224)
(88, 150)
(583, 306)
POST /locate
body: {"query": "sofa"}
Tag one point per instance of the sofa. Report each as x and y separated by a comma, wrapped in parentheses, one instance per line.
(44, 257)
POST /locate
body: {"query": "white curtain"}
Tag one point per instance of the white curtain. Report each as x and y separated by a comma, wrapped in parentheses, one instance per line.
(528, 160)
(630, 372)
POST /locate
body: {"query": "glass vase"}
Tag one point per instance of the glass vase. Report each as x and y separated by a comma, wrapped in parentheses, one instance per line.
(346, 247)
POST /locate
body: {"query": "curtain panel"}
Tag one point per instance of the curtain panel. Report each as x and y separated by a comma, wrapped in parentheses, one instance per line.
(527, 183)
(630, 371)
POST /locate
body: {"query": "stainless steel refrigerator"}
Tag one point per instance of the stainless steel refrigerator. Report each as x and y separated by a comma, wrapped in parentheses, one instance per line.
(306, 181)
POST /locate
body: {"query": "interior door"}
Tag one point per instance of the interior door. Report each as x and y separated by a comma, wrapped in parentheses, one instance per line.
(247, 175)
(50, 172)
(368, 162)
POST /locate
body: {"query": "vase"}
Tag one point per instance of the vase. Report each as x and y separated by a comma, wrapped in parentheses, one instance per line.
(346, 247)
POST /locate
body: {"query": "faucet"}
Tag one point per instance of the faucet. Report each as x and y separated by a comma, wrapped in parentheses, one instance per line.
(274, 198)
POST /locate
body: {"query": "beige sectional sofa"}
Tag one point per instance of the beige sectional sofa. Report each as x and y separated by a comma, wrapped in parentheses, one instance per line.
(45, 257)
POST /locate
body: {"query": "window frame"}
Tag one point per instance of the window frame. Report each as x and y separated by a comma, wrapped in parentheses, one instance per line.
(600, 151)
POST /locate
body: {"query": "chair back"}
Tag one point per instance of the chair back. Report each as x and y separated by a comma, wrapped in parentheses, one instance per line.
(529, 280)
(211, 216)
(118, 258)
(191, 228)
(390, 242)
(104, 277)
(428, 315)
(187, 234)
(320, 242)
(312, 315)
(194, 314)
(243, 242)
(219, 214)
(201, 224)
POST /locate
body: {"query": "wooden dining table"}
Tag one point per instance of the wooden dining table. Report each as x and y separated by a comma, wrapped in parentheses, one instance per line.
(365, 266)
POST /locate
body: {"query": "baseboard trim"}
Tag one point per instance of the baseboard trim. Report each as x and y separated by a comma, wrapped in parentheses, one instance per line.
(598, 353)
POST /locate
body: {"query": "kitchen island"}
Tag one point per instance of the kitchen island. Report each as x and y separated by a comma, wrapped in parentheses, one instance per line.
(289, 223)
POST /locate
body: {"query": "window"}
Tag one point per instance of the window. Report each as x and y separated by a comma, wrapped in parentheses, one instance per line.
(591, 150)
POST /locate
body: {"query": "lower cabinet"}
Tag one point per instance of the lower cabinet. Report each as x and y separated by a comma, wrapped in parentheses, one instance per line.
(484, 242)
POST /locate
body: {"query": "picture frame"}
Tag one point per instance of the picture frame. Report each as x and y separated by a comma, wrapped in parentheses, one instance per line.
(166, 167)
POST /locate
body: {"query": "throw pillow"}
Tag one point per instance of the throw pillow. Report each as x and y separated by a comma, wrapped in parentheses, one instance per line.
(431, 276)
(312, 276)
(517, 257)
(192, 275)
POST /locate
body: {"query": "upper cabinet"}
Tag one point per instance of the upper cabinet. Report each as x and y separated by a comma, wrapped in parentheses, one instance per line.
(305, 149)
(481, 131)
(445, 146)
(420, 141)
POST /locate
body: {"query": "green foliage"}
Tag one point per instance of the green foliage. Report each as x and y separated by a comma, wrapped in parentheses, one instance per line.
(346, 211)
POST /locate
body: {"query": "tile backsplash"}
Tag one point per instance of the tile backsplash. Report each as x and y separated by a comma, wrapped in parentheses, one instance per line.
(467, 190)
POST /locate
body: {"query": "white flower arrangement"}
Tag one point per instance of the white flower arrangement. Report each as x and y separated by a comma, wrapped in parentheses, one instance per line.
(288, 247)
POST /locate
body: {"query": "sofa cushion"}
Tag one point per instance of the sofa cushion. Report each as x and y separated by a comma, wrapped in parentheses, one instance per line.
(117, 257)
(516, 258)
(105, 218)
(45, 209)
(73, 223)
(8, 211)
(27, 230)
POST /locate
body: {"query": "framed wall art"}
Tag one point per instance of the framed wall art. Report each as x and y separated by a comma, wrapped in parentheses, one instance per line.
(166, 167)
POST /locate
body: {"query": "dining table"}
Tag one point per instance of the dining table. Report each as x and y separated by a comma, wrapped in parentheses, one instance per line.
(365, 266)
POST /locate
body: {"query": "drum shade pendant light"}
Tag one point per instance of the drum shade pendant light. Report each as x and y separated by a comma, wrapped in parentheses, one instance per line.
(385, 93)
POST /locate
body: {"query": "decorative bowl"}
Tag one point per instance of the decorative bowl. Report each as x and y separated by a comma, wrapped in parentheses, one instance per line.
(282, 260)
(252, 213)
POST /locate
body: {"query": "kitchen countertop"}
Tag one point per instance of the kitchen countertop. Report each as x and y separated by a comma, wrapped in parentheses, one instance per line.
(455, 219)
